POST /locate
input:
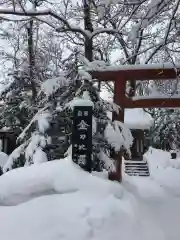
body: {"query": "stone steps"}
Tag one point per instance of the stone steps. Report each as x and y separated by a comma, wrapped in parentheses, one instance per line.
(136, 168)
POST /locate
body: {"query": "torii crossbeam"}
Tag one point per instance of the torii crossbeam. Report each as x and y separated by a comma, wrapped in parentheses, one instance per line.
(133, 73)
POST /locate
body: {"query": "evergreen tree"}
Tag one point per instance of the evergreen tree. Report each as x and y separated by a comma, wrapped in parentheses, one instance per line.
(166, 130)
(17, 104)
(36, 140)
(41, 139)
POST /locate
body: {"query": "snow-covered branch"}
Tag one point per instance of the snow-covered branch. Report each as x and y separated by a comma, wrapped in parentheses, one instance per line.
(105, 30)
(67, 25)
(171, 20)
(154, 47)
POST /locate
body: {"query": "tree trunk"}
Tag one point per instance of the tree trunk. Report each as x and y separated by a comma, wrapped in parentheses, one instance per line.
(88, 46)
(31, 58)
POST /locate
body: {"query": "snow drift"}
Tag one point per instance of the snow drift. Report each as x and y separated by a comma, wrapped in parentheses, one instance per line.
(58, 176)
(164, 170)
(57, 200)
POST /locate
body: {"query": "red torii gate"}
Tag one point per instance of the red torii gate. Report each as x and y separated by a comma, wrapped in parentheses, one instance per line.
(133, 73)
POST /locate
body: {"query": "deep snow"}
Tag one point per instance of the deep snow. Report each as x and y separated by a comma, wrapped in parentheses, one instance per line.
(57, 200)
(137, 118)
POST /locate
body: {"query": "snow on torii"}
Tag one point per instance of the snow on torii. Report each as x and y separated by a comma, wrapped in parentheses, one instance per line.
(137, 118)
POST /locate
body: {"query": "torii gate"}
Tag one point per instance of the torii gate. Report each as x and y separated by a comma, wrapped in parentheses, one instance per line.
(133, 73)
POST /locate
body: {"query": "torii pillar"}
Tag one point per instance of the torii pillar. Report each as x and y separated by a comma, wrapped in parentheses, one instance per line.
(119, 93)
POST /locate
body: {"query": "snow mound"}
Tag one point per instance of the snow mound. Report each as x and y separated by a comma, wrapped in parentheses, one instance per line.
(69, 216)
(137, 119)
(164, 170)
(161, 159)
(68, 203)
(59, 176)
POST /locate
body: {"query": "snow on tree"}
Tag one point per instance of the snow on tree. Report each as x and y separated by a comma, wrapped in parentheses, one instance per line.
(137, 31)
(42, 136)
(37, 139)
(17, 105)
(166, 130)
(158, 26)
(33, 141)
(107, 135)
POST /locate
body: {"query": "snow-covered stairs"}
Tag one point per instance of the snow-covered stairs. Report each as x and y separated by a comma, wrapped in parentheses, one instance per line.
(136, 168)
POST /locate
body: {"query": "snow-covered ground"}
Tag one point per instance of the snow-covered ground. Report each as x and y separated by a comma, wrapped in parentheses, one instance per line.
(57, 200)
